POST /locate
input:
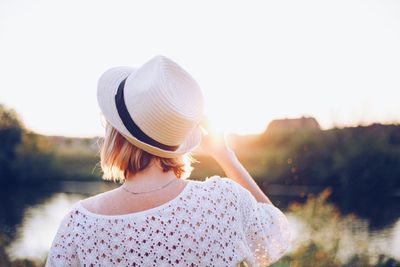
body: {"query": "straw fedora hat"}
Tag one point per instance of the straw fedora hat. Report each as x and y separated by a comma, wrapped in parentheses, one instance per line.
(157, 107)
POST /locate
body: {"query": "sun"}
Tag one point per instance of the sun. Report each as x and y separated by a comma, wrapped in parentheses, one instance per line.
(229, 119)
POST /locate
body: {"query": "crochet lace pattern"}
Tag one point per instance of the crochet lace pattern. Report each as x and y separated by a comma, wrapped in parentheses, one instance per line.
(215, 222)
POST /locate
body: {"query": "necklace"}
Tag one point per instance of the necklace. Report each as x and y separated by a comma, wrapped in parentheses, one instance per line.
(150, 190)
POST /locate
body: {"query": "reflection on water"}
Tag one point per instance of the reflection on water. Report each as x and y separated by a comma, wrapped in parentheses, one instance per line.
(35, 232)
(354, 239)
(39, 225)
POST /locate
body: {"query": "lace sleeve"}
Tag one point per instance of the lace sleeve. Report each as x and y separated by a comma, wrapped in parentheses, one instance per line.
(266, 228)
(63, 250)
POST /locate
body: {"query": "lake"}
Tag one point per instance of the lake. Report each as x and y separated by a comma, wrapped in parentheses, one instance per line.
(31, 215)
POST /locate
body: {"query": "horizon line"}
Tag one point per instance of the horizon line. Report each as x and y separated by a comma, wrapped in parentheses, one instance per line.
(334, 126)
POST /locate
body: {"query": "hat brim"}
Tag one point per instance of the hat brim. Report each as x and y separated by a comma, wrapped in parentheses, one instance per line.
(106, 90)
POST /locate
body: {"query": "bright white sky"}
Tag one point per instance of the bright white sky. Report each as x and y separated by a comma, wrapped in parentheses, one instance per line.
(338, 61)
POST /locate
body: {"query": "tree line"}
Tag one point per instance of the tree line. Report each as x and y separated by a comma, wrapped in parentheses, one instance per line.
(361, 164)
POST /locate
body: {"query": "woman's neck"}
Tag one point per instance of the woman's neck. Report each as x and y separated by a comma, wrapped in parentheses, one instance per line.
(153, 176)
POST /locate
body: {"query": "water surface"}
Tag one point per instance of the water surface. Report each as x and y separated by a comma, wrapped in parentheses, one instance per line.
(31, 223)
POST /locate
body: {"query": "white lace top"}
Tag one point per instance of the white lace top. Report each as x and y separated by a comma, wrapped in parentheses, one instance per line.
(212, 223)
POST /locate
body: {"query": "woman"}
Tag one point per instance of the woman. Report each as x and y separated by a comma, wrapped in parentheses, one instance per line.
(157, 217)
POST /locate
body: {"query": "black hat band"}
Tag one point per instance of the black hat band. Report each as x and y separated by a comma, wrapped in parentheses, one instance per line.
(131, 126)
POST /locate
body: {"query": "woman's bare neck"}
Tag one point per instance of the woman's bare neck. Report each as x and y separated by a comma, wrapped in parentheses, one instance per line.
(151, 177)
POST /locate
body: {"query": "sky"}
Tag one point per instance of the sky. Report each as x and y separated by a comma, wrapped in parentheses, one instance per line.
(337, 61)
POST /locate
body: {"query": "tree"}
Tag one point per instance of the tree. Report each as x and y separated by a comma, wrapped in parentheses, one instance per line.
(11, 130)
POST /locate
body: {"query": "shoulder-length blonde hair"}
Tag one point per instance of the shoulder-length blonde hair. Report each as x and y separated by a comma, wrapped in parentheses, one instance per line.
(120, 159)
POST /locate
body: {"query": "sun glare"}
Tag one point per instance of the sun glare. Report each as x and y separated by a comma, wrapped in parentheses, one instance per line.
(212, 129)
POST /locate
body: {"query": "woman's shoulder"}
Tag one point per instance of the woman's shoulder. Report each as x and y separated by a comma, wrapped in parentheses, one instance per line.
(221, 180)
(69, 221)
(218, 183)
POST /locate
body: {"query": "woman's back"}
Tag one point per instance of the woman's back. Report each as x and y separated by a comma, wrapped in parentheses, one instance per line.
(212, 223)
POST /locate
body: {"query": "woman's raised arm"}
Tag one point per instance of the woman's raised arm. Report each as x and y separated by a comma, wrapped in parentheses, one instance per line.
(217, 147)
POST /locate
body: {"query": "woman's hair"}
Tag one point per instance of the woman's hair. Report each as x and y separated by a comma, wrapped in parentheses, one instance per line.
(120, 159)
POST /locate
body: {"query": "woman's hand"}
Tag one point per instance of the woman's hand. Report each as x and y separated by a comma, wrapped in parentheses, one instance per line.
(214, 143)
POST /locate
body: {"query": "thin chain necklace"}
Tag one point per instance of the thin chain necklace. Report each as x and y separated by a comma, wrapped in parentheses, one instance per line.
(150, 190)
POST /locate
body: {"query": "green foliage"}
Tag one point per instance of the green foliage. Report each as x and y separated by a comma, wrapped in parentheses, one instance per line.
(27, 157)
(327, 157)
(10, 137)
(78, 166)
(24, 156)
(327, 226)
(35, 160)
(361, 164)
